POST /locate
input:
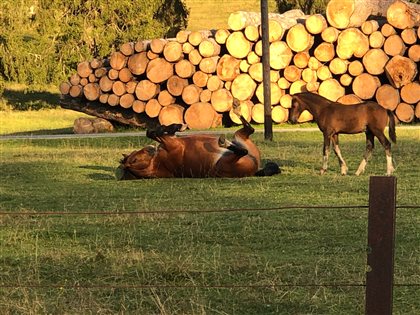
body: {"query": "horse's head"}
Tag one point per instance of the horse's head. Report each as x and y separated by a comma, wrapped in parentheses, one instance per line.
(297, 107)
(137, 164)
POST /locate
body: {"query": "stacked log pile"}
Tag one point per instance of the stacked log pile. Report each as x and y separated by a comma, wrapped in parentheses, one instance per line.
(194, 77)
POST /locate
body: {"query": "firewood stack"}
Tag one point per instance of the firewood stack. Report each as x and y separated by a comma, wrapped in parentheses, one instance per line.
(193, 78)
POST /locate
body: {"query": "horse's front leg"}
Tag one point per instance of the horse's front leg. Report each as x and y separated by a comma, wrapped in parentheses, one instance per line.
(326, 153)
(343, 165)
(387, 146)
(368, 153)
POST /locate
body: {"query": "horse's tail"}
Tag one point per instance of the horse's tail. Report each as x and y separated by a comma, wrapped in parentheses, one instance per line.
(270, 169)
(391, 126)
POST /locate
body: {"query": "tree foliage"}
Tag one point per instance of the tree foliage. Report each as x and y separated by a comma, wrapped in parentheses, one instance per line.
(41, 41)
(307, 6)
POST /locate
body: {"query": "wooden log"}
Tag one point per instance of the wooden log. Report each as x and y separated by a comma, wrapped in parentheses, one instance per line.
(279, 114)
(157, 45)
(346, 79)
(417, 111)
(65, 88)
(338, 66)
(286, 101)
(257, 113)
(138, 106)
(409, 36)
(209, 64)
(298, 38)
(152, 108)
(312, 86)
(228, 68)
(349, 99)
(275, 31)
(171, 114)
(140, 46)
(182, 36)
(330, 34)
(100, 72)
(365, 86)
(274, 75)
(184, 68)
(96, 63)
(297, 87)
(331, 89)
(292, 73)
(221, 36)
(370, 26)
(165, 98)
(130, 86)
(195, 57)
(222, 100)
(205, 96)
(200, 78)
(410, 93)
(91, 91)
(394, 46)
(172, 51)
(405, 112)
(243, 87)
(276, 93)
(127, 100)
(305, 116)
(175, 85)
(301, 59)
(92, 78)
(388, 30)
(159, 70)
(118, 88)
(245, 108)
(255, 71)
(195, 38)
(127, 48)
(352, 42)
(352, 13)
(83, 81)
(314, 63)
(199, 116)
(387, 96)
(252, 33)
(105, 84)
(280, 55)
(324, 52)
(146, 90)
(103, 98)
(209, 47)
(214, 83)
(414, 53)
(113, 74)
(403, 14)
(309, 75)
(125, 75)
(118, 60)
(253, 58)
(323, 73)
(191, 94)
(244, 66)
(283, 83)
(74, 79)
(237, 45)
(84, 69)
(400, 71)
(113, 100)
(374, 61)
(187, 48)
(376, 39)
(316, 24)
(355, 68)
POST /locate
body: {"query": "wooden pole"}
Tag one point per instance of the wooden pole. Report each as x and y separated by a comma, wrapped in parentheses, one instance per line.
(268, 123)
(381, 237)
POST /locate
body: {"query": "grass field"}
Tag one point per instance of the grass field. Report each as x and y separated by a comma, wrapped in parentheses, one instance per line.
(85, 253)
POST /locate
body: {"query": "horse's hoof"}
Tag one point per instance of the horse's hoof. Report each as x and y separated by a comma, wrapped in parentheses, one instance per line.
(222, 141)
(322, 171)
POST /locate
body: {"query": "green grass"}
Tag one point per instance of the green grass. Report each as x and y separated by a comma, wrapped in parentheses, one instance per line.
(111, 256)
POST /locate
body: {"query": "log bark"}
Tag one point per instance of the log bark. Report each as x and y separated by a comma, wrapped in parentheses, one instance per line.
(171, 114)
(403, 14)
(200, 116)
(365, 86)
(243, 87)
(400, 71)
(387, 96)
(222, 100)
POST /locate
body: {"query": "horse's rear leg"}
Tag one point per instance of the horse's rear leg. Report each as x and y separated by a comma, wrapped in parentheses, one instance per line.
(387, 146)
(326, 153)
(343, 165)
(368, 153)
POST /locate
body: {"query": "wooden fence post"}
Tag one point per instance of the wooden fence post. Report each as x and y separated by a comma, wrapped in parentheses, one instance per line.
(380, 250)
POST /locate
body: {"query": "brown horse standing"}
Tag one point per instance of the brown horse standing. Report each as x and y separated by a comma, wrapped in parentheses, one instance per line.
(195, 156)
(334, 118)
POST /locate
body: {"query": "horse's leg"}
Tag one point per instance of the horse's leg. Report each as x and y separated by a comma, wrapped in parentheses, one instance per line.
(337, 151)
(326, 153)
(236, 148)
(387, 146)
(368, 153)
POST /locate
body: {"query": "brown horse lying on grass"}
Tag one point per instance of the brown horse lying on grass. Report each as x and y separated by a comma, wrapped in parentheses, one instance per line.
(335, 118)
(195, 156)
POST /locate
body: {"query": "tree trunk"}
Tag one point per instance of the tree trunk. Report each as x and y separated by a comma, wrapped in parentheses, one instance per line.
(400, 71)
(199, 116)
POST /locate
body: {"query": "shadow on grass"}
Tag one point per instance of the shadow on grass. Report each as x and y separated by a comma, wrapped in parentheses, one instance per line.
(42, 132)
(29, 99)
(107, 173)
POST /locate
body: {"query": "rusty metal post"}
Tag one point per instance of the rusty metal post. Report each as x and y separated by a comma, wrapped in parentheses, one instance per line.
(380, 250)
(268, 122)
